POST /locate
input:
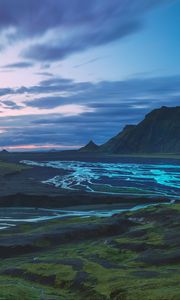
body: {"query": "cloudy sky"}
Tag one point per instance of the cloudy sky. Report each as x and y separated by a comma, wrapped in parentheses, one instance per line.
(75, 70)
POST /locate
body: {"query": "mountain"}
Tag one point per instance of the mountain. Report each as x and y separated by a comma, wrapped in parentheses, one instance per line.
(159, 132)
(4, 151)
(90, 147)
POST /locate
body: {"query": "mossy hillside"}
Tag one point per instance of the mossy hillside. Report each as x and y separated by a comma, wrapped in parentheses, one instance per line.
(17, 288)
(138, 264)
(12, 290)
(126, 285)
(63, 274)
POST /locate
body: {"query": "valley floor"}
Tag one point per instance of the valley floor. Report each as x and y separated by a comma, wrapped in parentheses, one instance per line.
(129, 256)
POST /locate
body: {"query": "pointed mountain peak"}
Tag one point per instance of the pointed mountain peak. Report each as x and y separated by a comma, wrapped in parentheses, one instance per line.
(4, 151)
(91, 143)
(89, 147)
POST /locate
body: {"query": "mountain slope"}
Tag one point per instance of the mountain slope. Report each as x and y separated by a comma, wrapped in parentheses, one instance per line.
(159, 132)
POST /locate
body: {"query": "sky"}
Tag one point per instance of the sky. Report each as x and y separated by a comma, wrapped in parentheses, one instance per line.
(73, 71)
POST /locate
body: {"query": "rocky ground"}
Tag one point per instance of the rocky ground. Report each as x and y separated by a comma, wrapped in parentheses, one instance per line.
(132, 256)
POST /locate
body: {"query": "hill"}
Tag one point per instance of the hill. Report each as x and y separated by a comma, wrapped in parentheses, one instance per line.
(159, 132)
(90, 147)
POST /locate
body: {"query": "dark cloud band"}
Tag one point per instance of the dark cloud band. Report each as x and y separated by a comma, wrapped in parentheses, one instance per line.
(75, 25)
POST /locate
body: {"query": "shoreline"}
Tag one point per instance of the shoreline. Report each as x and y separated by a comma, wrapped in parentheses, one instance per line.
(11, 217)
(16, 157)
(68, 153)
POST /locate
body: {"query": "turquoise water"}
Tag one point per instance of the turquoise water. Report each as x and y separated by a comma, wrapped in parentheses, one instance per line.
(115, 178)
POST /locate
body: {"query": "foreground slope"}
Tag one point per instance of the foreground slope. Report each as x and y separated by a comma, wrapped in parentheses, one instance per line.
(134, 256)
(159, 132)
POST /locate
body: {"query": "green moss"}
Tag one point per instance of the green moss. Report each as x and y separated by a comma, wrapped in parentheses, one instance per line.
(102, 276)
(151, 239)
(119, 190)
(10, 292)
(54, 224)
(63, 274)
(16, 290)
(20, 289)
(176, 207)
(113, 272)
(154, 238)
(10, 168)
(122, 285)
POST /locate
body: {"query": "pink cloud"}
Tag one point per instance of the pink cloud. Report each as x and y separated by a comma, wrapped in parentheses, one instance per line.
(49, 146)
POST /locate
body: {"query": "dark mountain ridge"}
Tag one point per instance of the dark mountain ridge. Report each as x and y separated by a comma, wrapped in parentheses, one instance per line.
(159, 132)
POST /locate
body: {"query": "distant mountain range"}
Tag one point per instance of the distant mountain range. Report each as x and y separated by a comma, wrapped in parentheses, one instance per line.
(159, 132)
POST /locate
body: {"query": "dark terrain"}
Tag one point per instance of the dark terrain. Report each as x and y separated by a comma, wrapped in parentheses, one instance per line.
(133, 256)
(159, 132)
(21, 185)
(129, 256)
